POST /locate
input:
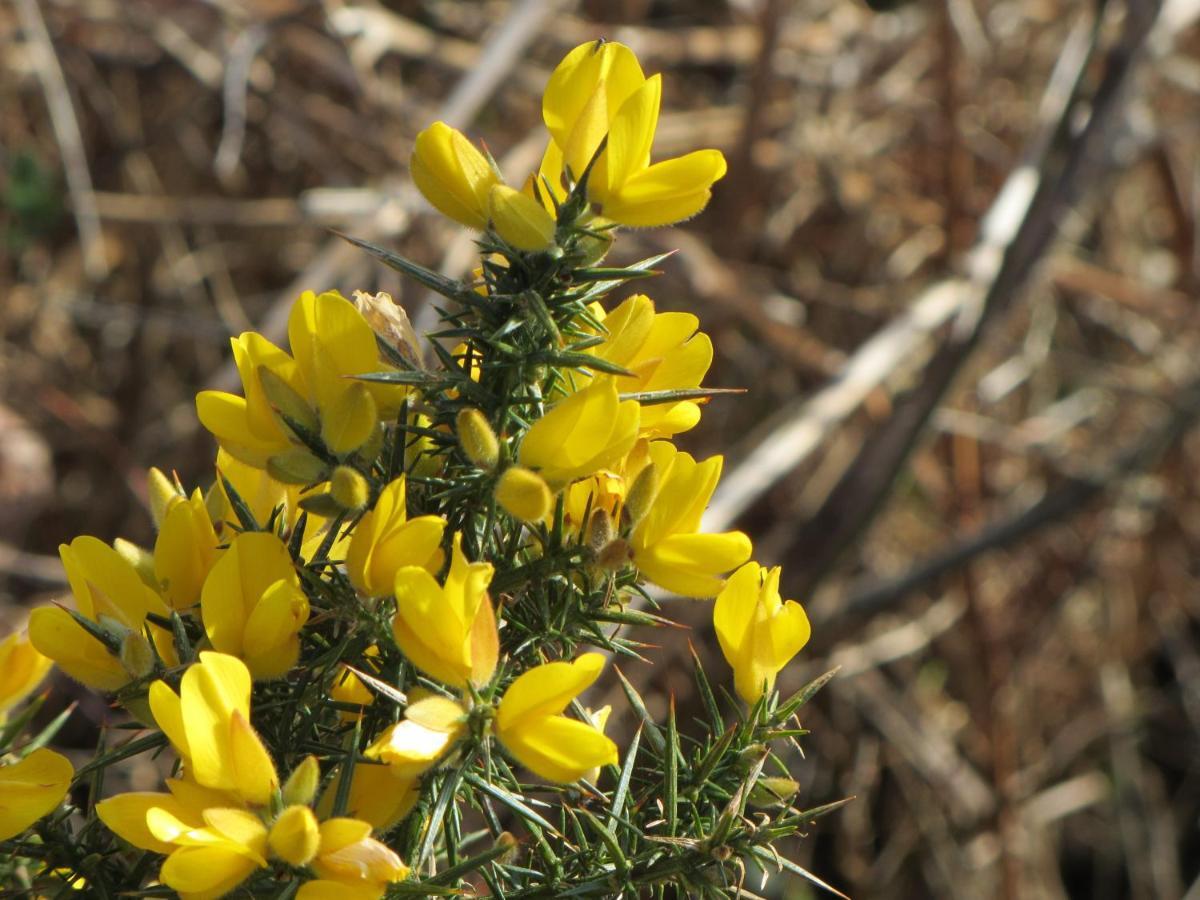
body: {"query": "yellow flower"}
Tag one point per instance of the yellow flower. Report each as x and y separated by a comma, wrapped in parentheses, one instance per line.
(184, 551)
(431, 726)
(252, 604)
(520, 219)
(599, 89)
(22, 669)
(385, 540)
(759, 633)
(667, 548)
(109, 592)
(330, 341)
(208, 722)
(665, 351)
(530, 724)
(294, 837)
(349, 688)
(213, 845)
(31, 788)
(590, 430)
(349, 857)
(448, 631)
(454, 177)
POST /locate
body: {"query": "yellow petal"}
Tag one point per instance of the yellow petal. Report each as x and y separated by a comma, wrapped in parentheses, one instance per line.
(184, 552)
(428, 630)
(211, 692)
(546, 690)
(31, 788)
(226, 417)
(583, 95)
(666, 192)
(254, 773)
(589, 430)
(126, 815)
(272, 631)
(205, 873)
(520, 219)
(22, 669)
(452, 175)
(559, 749)
(167, 709)
(630, 137)
(295, 836)
(56, 635)
(690, 565)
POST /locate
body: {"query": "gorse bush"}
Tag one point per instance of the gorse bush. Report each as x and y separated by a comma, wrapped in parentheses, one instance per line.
(364, 648)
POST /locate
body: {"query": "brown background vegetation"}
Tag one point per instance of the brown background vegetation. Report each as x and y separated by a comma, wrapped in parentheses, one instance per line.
(1020, 717)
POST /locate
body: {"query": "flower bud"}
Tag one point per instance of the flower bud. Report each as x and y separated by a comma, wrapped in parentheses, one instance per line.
(295, 836)
(523, 494)
(137, 656)
(349, 488)
(773, 791)
(297, 466)
(642, 493)
(162, 491)
(520, 219)
(301, 786)
(140, 558)
(477, 438)
(614, 556)
(599, 530)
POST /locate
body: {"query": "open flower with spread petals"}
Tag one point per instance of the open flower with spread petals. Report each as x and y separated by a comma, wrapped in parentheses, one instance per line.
(111, 595)
(212, 843)
(665, 352)
(592, 429)
(430, 727)
(530, 724)
(312, 389)
(599, 91)
(668, 547)
(351, 864)
(252, 604)
(22, 669)
(759, 633)
(31, 788)
(208, 723)
(453, 176)
(448, 631)
(385, 540)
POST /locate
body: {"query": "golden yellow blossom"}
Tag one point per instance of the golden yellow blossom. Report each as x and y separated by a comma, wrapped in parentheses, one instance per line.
(252, 604)
(448, 631)
(530, 724)
(385, 540)
(668, 547)
(759, 633)
(108, 592)
(454, 177)
(590, 430)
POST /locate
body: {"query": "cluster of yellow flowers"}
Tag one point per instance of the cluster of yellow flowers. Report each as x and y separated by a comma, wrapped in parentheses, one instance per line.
(362, 497)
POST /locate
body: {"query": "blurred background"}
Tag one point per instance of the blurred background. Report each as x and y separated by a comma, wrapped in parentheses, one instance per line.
(955, 261)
